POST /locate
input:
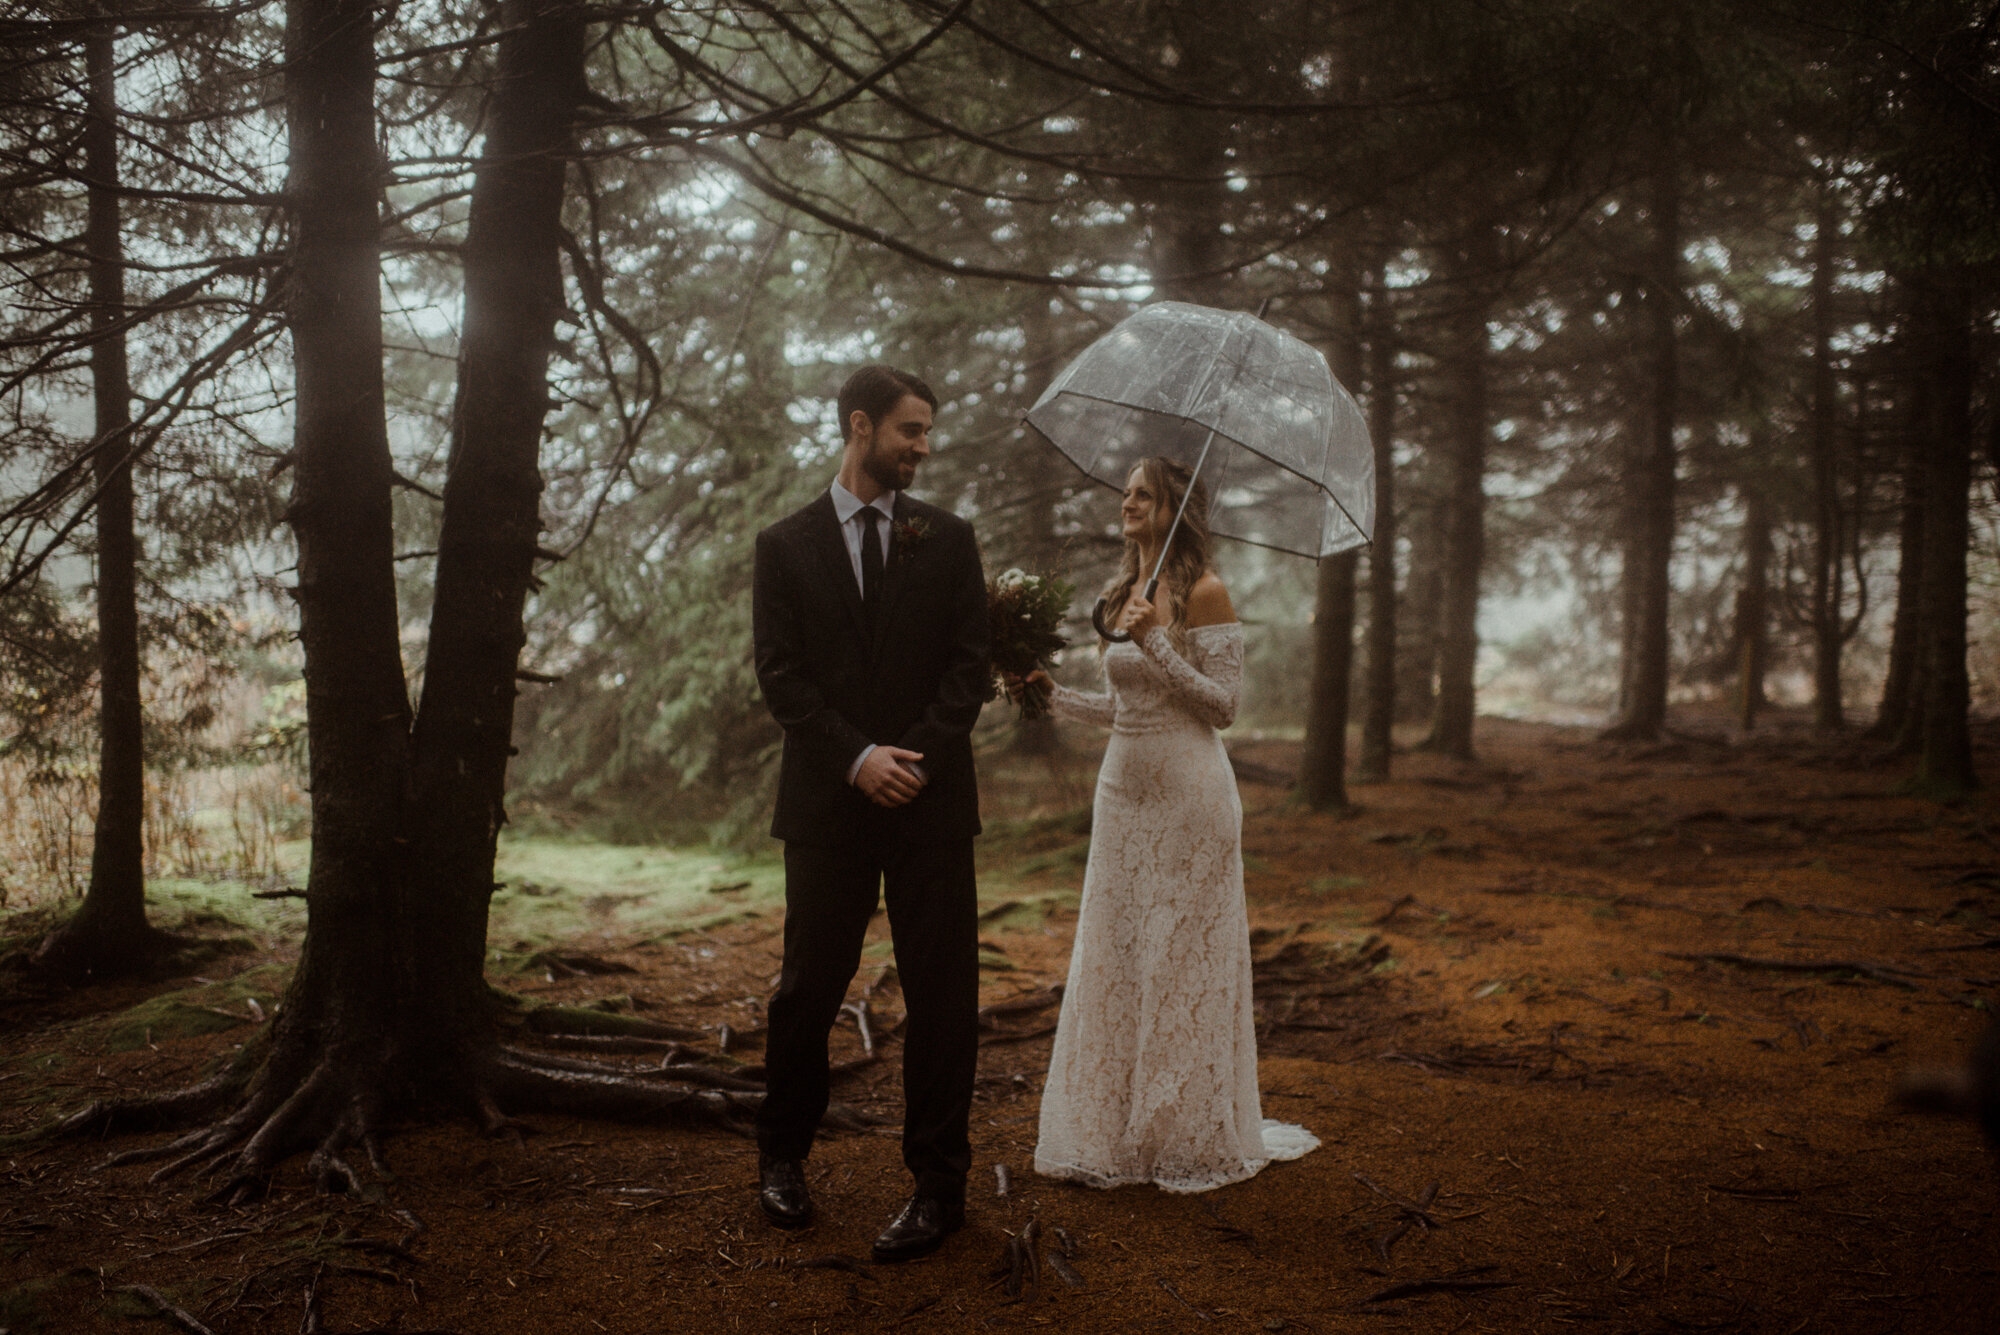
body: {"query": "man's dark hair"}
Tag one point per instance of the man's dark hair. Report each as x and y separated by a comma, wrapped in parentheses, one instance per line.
(876, 390)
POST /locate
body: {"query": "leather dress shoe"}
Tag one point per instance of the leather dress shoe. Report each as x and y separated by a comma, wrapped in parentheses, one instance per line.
(923, 1223)
(783, 1193)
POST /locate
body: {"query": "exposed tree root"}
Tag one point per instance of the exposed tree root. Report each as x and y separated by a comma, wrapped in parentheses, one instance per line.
(335, 1110)
(84, 951)
(163, 1112)
(574, 1021)
(528, 1081)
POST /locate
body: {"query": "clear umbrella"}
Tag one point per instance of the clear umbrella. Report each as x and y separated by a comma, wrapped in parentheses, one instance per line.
(1253, 411)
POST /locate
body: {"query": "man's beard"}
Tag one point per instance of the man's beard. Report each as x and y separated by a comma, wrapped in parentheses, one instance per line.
(885, 469)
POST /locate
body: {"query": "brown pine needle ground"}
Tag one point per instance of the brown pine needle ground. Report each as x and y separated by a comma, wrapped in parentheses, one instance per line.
(1599, 1038)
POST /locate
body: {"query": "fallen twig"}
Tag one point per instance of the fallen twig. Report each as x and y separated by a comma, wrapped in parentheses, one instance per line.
(179, 1316)
(1984, 943)
(668, 1048)
(1881, 973)
(1015, 1035)
(832, 1261)
(576, 964)
(1459, 1281)
(864, 1023)
(1418, 1210)
(1022, 1005)
(1171, 1293)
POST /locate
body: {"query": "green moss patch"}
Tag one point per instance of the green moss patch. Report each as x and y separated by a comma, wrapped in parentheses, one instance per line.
(27, 1308)
(563, 890)
(209, 1007)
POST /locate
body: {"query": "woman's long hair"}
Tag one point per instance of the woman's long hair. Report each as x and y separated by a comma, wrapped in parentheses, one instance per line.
(1187, 559)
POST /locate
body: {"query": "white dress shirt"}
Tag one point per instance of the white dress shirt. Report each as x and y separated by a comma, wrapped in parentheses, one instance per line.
(846, 506)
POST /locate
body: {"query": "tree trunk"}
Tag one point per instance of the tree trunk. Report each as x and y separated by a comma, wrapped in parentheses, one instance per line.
(492, 520)
(1651, 483)
(1379, 716)
(1902, 687)
(109, 934)
(1188, 211)
(1827, 545)
(1753, 608)
(389, 1010)
(1323, 759)
(1944, 756)
(1464, 524)
(1038, 545)
(1417, 610)
(360, 981)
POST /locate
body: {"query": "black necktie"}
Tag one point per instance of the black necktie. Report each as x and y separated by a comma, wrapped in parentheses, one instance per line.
(871, 557)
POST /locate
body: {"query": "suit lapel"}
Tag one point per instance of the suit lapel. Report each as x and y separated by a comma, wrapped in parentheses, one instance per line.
(830, 550)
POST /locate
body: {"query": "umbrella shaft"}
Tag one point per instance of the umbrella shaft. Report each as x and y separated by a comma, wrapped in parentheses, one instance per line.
(1153, 584)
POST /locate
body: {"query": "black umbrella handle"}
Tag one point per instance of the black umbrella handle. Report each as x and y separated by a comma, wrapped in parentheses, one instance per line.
(1119, 636)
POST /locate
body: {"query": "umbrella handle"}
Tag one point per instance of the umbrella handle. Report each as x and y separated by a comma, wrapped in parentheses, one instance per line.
(1119, 636)
(1097, 623)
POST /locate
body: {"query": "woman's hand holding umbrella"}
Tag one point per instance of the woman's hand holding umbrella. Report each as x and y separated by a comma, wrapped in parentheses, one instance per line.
(1139, 616)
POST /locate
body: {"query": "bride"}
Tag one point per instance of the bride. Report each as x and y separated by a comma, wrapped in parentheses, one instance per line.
(1154, 1073)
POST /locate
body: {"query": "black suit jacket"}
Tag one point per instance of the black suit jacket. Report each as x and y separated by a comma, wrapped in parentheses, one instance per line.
(917, 681)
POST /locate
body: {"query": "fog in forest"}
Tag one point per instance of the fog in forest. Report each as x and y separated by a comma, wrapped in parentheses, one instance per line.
(391, 398)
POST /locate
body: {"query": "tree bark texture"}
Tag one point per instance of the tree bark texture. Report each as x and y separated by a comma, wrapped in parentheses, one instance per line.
(109, 934)
(1824, 612)
(1037, 542)
(1944, 756)
(1379, 713)
(1418, 608)
(1188, 212)
(1464, 519)
(1651, 482)
(1902, 686)
(356, 966)
(492, 519)
(1753, 608)
(1323, 758)
(405, 818)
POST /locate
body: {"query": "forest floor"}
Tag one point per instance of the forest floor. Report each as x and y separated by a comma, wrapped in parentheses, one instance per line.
(1595, 1037)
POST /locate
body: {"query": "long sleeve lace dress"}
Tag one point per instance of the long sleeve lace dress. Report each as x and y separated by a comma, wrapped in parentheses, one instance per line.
(1154, 1073)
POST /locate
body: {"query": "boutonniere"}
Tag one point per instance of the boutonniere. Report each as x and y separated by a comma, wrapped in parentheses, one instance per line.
(911, 535)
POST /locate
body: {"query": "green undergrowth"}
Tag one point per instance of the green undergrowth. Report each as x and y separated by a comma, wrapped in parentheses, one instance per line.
(1325, 946)
(25, 1308)
(207, 1006)
(555, 890)
(1000, 911)
(1019, 859)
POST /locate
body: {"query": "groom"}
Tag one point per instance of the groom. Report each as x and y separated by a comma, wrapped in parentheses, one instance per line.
(870, 625)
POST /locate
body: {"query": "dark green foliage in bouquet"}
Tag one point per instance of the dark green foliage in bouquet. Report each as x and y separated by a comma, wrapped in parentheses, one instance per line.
(1024, 614)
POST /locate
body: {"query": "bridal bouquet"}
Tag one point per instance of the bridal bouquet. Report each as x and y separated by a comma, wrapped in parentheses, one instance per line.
(1024, 616)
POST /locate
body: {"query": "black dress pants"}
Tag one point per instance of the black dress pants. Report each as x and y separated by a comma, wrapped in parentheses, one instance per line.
(830, 894)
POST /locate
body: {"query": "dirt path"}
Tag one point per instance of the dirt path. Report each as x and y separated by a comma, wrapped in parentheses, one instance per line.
(1551, 1017)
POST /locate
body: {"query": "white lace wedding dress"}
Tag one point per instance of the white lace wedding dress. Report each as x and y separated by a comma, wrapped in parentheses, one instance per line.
(1154, 1074)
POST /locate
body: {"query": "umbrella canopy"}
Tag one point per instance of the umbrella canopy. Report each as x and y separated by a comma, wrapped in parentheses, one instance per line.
(1289, 464)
